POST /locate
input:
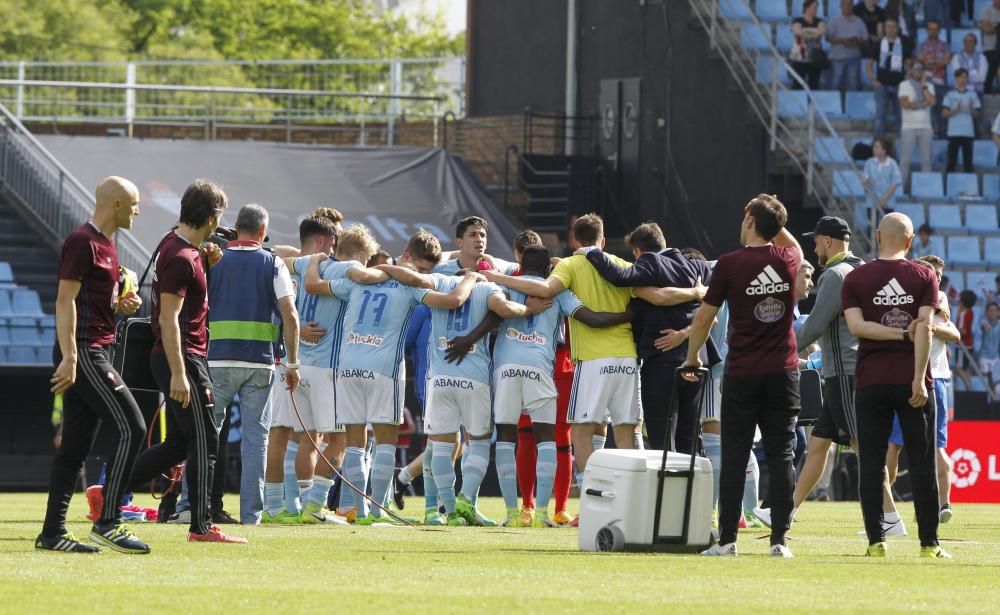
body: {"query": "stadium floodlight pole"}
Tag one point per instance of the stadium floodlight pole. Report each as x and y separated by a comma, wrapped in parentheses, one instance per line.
(571, 78)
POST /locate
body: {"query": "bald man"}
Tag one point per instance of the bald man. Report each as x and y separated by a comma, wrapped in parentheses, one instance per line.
(93, 391)
(889, 305)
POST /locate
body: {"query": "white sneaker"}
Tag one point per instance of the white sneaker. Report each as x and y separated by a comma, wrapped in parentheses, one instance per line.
(895, 528)
(183, 516)
(764, 515)
(945, 514)
(721, 550)
(780, 551)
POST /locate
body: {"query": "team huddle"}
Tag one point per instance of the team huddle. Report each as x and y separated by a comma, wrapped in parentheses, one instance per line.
(314, 339)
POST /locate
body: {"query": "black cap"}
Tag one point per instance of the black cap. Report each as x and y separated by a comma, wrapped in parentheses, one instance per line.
(833, 227)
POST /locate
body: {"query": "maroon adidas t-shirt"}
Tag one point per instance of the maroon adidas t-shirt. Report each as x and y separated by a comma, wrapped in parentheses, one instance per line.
(90, 258)
(890, 293)
(759, 285)
(179, 271)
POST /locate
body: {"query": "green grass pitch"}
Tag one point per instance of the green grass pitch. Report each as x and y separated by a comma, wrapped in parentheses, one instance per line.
(473, 570)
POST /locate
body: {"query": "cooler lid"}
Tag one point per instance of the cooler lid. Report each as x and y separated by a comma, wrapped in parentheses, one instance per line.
(628, 460)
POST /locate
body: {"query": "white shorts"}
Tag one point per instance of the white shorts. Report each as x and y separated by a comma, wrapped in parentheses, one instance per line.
(315, 400)
(282, 414)
(989, 366)
(606, 389)
(365, 396)
(453, 403)
(519, 389)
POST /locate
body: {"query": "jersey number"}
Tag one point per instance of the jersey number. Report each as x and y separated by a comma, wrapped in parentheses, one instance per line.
(309, 308)
(458, 319)
(378, 301)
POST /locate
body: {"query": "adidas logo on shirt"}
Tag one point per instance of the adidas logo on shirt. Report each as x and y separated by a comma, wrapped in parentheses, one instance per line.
(893, 294)
(768, 282)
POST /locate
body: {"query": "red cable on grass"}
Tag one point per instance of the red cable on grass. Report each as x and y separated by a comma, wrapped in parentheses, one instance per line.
(175, 472)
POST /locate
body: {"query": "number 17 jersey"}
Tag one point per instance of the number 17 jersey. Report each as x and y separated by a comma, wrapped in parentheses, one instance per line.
(449, 324)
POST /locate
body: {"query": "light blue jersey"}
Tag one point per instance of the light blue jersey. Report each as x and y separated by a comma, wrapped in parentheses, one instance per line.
(327, 312)
(451, 267)
(376, 322)
(532, 341)
(449, 324)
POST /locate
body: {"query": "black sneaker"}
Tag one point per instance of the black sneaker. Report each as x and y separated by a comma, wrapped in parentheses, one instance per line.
(118, 537)
(67, 542)
(221, 517)
(397, 491)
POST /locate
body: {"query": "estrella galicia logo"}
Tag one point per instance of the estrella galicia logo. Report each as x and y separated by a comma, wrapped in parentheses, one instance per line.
(896, 319)
(769, 310)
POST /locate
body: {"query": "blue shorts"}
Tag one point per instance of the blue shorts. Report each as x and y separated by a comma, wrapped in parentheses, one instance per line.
(941, 403)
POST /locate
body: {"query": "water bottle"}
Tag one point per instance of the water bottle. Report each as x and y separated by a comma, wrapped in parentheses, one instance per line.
(815, 360)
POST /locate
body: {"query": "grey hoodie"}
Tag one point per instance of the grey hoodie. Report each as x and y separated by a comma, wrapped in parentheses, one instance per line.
(826, 321)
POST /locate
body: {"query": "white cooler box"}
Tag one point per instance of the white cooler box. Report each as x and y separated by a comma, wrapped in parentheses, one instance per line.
(618, 502)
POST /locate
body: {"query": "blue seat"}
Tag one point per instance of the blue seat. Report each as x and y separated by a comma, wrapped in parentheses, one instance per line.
(27, 336)
(992, 251)
(6, 310)
(48, 336)
(984, 154)
(829, 103)
(848, 184)
(945, 218)
(956, 279)
(831, 150)
(6, 276)
(4, 336)
(991, 187)
(772, 10)
(861, 106)
(964, 250)
(735, 9)
(784, 39)
(977, 10)
(924, 185)
(957, 34)
(939, 156)
(913, 211)
(755, 37)
(937, 245)
(979, 280)
(978, 384)
(792, 103)
(22, 355)
(981, 218)
(768, 68)
(963, 184)
(48, 320)
(25, 302)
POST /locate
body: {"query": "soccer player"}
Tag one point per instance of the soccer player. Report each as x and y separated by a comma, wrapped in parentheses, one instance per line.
(470, 237)
(315, 396)
(606, 381)
(889, 304)
(523, 383)
(178, 360)
(762, 367)
(281, 491)
(85, 326)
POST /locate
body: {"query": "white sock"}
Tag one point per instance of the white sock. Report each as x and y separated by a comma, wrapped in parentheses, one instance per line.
(890, 517)
(404, 476)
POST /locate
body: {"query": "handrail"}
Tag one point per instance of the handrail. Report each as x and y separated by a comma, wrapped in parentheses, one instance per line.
(273, 62)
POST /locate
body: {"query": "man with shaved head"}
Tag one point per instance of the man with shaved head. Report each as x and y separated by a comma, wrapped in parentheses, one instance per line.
(889, 305)
(93, 391)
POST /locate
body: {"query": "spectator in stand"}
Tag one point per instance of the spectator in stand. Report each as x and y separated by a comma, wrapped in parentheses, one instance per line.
(807, 57)
(847, 36)
(882, 177)
(961, 107)
(949, 290)
(874, 17)
(993, 296)
(916, 97)
(904, 15)
(995, 133)
(886, 71)
(989, 20)
(973, 61)
(921, 245)
(966, 301)
(935, 55)
(989, 346)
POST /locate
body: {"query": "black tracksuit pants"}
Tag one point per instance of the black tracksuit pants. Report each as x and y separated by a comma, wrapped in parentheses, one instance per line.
(656, 377)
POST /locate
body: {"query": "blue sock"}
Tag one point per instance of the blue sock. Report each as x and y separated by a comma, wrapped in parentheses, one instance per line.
(545, 474)
(463, 458)
(579, 480)
(713, 448)
(430, 488)
(273, 496)
(304, 487)
(752, 484)
(291, 483)
(351, 470)
(474, 468)
(385, 463)
(444, 474)
(319, 490)
(507, 473)
(598, 442)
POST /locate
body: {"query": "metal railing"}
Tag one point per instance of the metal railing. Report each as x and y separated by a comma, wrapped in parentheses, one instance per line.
(48, 195)
(794, 137)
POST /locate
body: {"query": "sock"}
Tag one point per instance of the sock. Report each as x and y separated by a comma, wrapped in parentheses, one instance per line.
(598, 442)
(291, 490)
(304, 487)
(751, 485)
(564, 477)
(507, 473)
(444, 474)
(464, 458)
(579, 480)
(384, 464)
(430, 488)
(474, 469)
(890, 517)
(545, 470)
(319, 490)
(273, 495)
(637, 441)
(526, 460)
(360, 503)
(713, 449)
(353, 458)
(404, 477)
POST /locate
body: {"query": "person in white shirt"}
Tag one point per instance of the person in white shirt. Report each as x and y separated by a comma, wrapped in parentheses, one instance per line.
(916, 98)
(971, 60)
